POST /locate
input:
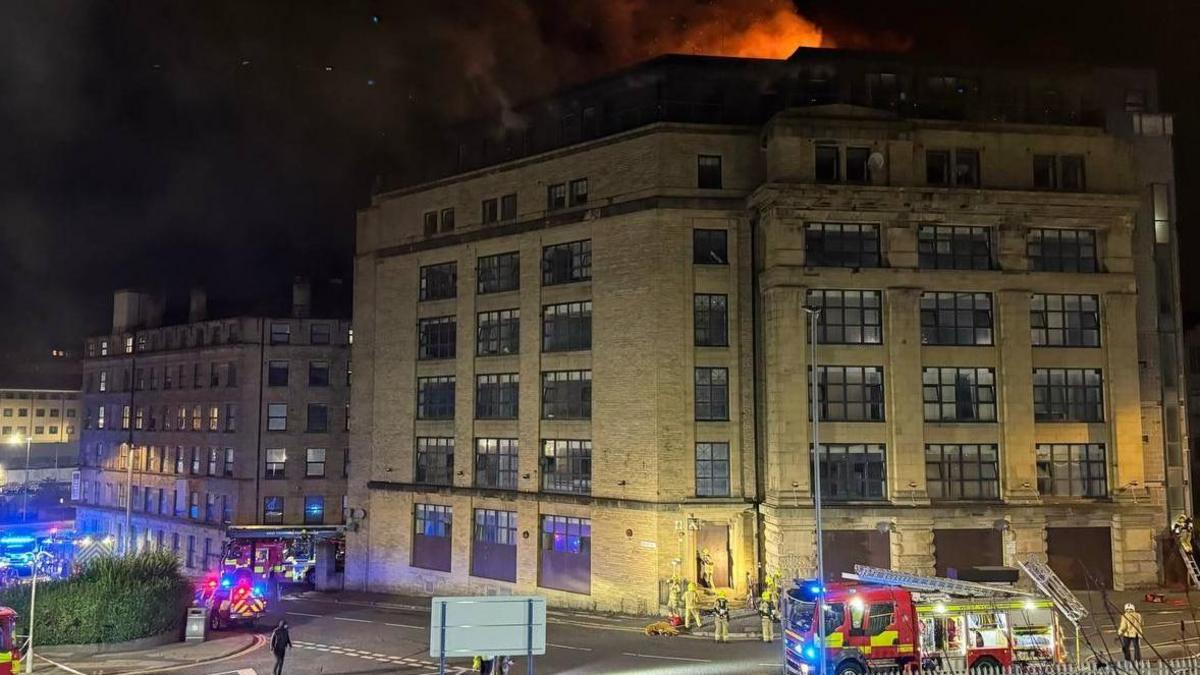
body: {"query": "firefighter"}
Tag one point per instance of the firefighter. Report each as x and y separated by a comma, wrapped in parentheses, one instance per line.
(1130, 632)
(674, 591)
(721, 618)
(1183, 529)
(707, 566)
(691, 609)
(766, 612)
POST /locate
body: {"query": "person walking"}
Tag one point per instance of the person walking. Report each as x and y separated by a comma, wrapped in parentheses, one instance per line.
(280, 643)
(691, 606)
(1130, 632)
(766, 613)
(721, 618)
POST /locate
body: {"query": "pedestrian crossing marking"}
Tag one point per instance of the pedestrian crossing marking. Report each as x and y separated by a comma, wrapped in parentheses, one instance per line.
(374, 656)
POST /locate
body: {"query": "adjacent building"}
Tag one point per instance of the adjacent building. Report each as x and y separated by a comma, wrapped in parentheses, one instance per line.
(583, 355)
(211, 425)
(39, 414)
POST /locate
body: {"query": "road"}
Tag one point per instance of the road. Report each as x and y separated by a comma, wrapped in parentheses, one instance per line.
(337, 637)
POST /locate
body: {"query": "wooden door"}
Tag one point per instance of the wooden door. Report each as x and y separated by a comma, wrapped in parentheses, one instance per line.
(714, 538)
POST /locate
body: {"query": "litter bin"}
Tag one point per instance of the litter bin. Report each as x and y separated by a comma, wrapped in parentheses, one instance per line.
(196, 626)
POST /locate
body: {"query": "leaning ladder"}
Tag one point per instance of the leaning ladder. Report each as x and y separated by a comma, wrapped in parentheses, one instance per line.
(1190, 562)
(919, 582)
(1049, 584)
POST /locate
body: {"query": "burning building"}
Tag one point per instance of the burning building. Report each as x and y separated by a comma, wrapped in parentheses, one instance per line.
(582, 355)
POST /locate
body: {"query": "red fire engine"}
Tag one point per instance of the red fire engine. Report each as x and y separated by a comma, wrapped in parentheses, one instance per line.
(10, 653)
(887, 627)
(231, 600)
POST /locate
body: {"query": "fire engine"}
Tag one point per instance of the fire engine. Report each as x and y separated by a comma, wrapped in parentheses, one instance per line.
(10, 653)
(232, 600)
(911, 622)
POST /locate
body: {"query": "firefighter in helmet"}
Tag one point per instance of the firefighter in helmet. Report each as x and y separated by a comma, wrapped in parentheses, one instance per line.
(766, 613)
(1183, 528)
(721, 618)
(674, 595)
(707, 567)
(691, 607)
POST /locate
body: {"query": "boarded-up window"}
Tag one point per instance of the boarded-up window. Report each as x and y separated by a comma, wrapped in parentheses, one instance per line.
(1080, 556)
(844, 549)
(432, 536)
(959, 549)
(566, 554)
(494, 555)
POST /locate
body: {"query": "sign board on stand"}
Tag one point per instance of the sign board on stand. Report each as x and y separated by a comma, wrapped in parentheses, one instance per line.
(487, 626)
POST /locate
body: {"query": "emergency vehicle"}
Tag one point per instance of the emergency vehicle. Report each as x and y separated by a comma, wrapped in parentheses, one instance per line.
(10, 652)
(232, 600)
(289, 561)
(954, 626)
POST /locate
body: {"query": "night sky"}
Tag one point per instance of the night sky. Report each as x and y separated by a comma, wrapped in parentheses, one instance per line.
(227, 144)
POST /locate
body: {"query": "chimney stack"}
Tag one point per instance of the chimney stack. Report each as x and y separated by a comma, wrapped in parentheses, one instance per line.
(197, 305)
(301, 298)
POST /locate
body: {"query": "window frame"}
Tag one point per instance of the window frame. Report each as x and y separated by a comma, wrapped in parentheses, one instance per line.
(567, 262)
(867, 252)
(490, 273)
(1092, 471)
(706, 165)
(932, 237)
(435, 407)
(948, 465)
(438, 282)
(710, 319)
(566, 466)
(437, 338)
(572, 321)
(499, 457)
(492, 328)
(870, 395)
(861, 463)
(497, 396)
(705, 249)
(1042, 315)
(863, 310)
(977, 403)
(963, 305)
(1055, 261)
(1044, 395)
(438, 465)
(707, 407)
(576, 403)
(707, 467)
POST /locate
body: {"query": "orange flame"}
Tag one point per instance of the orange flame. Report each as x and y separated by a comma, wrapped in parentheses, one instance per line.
(767, 29)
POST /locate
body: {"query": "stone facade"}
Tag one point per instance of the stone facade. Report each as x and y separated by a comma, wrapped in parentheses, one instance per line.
(646, 199)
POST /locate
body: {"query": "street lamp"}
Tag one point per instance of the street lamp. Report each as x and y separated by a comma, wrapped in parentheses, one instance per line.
(15, 440)
(814, 314)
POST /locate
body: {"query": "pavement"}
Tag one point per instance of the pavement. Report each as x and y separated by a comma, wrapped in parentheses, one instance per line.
(369, 633)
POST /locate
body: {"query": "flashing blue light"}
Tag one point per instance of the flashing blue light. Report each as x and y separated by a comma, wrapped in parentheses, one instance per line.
(810, 653)
(226, 582)
(16, 540)
(259, 590)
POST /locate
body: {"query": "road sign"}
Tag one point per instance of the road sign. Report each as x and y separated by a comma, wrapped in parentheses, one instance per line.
(487, 626)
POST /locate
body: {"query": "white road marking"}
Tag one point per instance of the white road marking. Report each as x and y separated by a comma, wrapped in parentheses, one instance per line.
(57, 664)
(343, 618)
(578, 649)
(239, 671)
(666, 658)
(404, 625)
(315, 616)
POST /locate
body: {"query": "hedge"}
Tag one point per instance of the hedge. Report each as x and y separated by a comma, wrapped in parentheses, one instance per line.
(111, 600)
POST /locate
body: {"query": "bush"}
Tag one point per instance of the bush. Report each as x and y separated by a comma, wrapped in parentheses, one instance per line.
(111, 600)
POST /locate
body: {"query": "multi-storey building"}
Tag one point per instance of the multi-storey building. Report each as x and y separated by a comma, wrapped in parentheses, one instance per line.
(584, 355)
(42, 415)
(213, 424)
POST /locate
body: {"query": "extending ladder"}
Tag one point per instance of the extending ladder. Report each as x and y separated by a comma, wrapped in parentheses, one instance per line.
(1049, 584)
(1190, 562)
(876, 575)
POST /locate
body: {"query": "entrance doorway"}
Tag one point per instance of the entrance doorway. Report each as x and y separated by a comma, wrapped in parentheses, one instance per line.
(958, 549)
(1081, 556)
(714, 538)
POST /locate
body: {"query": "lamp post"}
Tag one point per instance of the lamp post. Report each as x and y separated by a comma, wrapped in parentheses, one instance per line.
(814, 314)
(15, 440)
(32, 604)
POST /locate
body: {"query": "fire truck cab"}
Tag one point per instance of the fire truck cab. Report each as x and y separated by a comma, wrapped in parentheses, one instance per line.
(231, 599)
(10, 652)
(874, 627)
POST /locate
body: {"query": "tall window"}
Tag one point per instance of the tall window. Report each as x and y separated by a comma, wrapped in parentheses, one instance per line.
(956, 319)
(320, 334)
(228, 468)
(711, 320)
(318, 373)
(436, 337)
(710, 247)
(566, 263)
(1061, 172)
(314, 510)
(276, 463)
(1064, 320)
(556, 196)
(579, 191)
(435, 397)
(1068, 395)
(497, 396)
(853, 472)
(498, 333)
(508, 207)
(567, 466)
(954, 471)
(281, 334)
(277, 373)
(841, 245)
(847, 317)
(828, 166)
(858, 168)
(490, 211)
(496, 463)
(567, 394)
(435, 461)
(708, 172)
(429, 221)
(959, 394)
(318, 418)
(314, 463)
(276, 417)
(566, 554)
(567, 326)
(954, 247)
(494, 550)
(850, 393)
(447, 220)
(1054, 250)
(712, 469)
(432, 534)
(1072, 469)
(499, 273)
(712, 394)
(960, 167)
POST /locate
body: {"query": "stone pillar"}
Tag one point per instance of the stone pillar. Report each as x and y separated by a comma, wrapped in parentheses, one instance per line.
(1015, 375)
(912, 546)
(905, 411)
(785, 394)
(1122, 396)
(1135, 550)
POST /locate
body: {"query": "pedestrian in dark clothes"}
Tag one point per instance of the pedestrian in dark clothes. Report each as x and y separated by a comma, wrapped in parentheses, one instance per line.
(280, 642)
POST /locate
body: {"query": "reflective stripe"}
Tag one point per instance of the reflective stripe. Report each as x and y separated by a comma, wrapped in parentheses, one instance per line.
(885, 639)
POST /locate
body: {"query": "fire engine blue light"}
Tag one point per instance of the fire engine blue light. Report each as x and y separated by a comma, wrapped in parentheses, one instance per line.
(259, 590)
(16, 540)
(810, 653)
(226, 582)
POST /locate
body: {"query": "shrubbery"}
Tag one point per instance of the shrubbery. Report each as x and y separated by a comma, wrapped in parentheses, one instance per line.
(112, 600)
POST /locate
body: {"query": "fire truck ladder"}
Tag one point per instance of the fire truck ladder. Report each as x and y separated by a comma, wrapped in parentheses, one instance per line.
(1190, 562)
(877, 575)
(1052, 587)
